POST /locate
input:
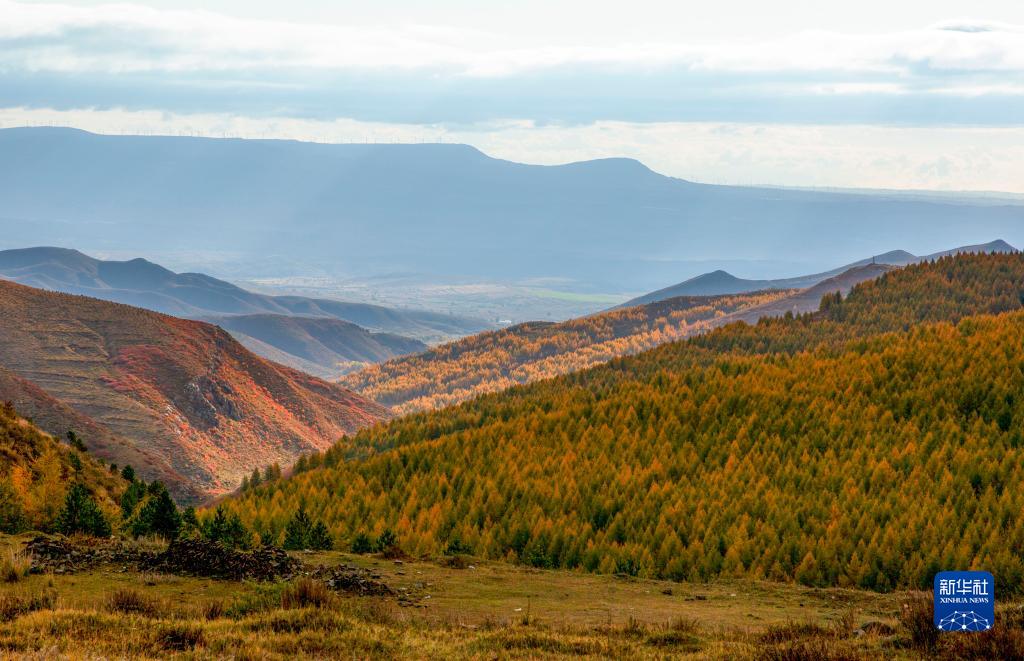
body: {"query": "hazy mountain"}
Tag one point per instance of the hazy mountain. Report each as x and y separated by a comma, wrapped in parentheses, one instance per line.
(144, 284)
(720, 282)
(181, 390)
(325, 347)
(440, 209)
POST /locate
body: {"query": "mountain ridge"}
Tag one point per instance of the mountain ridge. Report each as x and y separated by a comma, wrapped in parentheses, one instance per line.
(721, 282)
(435, 210)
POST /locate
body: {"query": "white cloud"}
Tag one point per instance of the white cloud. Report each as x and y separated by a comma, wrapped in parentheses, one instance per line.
(127, 37)
(940, 158)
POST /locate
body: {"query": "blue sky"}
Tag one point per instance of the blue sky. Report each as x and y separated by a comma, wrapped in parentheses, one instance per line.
(880, 94)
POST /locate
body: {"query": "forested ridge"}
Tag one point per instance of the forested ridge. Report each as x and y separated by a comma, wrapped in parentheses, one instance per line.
(869, 444)
(493, 361)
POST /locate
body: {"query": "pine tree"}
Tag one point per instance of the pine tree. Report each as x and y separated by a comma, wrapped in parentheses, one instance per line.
(158, 516)
(12, 512)
(215, 528)
(75, 442)
(320, 538)
(80, 514)
(362, 544)
(189, 520)
(296, 533)
(388, 539)
(131, 498)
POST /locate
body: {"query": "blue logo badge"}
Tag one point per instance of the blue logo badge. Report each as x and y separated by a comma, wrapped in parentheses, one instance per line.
(965, 600)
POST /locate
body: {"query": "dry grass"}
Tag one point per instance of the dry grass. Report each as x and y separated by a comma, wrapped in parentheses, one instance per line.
(131, 601)
(306, 592)
(14, 565)
(492, 611)
(15, 605)
(916, 617)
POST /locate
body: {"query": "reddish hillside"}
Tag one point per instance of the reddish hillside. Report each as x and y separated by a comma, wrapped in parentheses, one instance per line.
(182, 390)
(57, 418)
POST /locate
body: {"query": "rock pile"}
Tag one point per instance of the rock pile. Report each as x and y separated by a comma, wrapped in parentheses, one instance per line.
(199, 557)
(61, 556)
(351, 579)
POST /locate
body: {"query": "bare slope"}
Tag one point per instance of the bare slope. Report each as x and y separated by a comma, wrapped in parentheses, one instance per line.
(180, 389)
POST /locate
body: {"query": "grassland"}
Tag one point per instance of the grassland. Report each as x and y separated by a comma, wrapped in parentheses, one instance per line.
(464, 609)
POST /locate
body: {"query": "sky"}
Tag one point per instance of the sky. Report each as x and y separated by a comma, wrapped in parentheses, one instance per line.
(874, 94)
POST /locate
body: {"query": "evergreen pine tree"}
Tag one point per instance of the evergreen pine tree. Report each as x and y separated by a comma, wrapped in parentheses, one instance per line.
(12, 513)
(75, 442)
(320, 538)
(80, 514)
(159, 515)
(362, 544)
(296, 533)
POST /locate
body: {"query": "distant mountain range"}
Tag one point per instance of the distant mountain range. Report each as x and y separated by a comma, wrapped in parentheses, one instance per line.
(365, 210)
(180, 400)
(321, 336)
(720, 282)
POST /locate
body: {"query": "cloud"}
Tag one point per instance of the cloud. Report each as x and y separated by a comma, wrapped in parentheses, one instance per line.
(126, 37)
(962, 72)
(951, 158)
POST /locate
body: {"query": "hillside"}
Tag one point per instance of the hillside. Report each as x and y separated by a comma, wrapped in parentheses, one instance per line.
(720, 282)
(439, 209)
(36, 471)
(493, 361)
(178, 389)
(490, 362)
(193, 295)
(56, 418)
(854, 446)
